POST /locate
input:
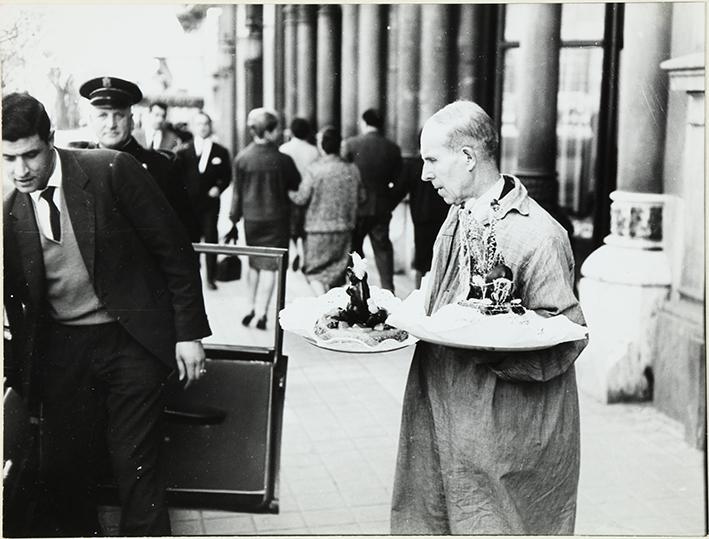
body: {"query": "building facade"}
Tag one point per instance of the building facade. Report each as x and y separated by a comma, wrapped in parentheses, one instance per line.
(600, 108)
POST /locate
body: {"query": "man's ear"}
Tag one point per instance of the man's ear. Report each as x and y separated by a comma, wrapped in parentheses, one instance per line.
(470, 159)
(50, 138)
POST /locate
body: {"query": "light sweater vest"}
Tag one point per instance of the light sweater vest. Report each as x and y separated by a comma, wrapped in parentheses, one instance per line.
(71, 296)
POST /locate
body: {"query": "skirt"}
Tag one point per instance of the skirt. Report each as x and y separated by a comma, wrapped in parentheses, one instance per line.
(326, 257)
(266, 234)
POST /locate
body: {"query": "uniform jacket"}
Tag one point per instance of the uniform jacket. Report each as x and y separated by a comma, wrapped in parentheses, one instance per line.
(168, 172)
(379, 163)
(216, 174)
(141, 264)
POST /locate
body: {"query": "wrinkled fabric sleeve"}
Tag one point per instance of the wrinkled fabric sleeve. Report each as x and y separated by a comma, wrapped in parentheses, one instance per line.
(305, 190)
(547, 281)
(235, 212)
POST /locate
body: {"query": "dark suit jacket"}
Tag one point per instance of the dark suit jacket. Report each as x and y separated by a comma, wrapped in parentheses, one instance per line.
(216, 174)
(167, 171)
(379, 163)
(141, 263)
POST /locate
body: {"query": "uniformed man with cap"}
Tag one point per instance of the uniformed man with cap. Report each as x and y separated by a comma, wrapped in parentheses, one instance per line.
(111, 118)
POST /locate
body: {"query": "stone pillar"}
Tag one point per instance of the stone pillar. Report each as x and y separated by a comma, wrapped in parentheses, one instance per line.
(679, 358)
(434, 80)
(625, 281)
(349, 69)
(290, 46)
(538, 80)
(408, 80)
(306, 64)
(392, 71)
(468, 48)
(370, 56)
(328, 80)
(224, 79)
(270, 69)
(253, 57)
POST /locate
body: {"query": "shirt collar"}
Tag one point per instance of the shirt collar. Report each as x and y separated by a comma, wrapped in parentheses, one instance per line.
(517, 199)
(478, 206)
(55, 180)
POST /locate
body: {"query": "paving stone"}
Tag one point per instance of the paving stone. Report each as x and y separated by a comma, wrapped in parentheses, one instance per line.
(231, 525)
(187, 527)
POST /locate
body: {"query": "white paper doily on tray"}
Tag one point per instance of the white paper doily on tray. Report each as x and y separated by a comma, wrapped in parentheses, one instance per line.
(299, 317)
(460, 327)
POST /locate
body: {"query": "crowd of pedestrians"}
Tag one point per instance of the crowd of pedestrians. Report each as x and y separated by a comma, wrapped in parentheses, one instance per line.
(317, 193)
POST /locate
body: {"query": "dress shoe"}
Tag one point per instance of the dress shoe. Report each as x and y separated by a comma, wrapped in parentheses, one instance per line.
(211, 285)
(261, 324)
(248, 318)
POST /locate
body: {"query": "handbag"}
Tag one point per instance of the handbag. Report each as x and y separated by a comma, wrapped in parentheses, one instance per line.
(229, 267)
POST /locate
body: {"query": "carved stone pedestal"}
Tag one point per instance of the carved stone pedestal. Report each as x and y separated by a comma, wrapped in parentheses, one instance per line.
(623, 285)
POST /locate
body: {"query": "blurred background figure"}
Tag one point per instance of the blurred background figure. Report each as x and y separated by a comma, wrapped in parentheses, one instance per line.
(303, 153)
(428, 211)
(207, 172)
(331, 191)
(111, 119)
(159, 135)
(184, 135)
(379, 162)
(262, 178)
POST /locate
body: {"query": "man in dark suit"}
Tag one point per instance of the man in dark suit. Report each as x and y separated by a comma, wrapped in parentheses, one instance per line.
(379, 163)
(102, 284)
(207, 172)
(111, 118)
(158, 135)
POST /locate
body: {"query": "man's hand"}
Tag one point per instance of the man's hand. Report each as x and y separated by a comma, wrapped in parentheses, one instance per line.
(213, 192)
(232, 235)
(191, 360)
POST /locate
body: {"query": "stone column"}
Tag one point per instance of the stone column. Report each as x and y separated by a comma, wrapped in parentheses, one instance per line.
(392, 70)
(408, 54)
(538, 79)
(306, 63)
(225, 86)
(370, 51)
(468, 48)
(349, 69)
(270, 70)
(625, 281)
(679, 358)
(253, 57)
(328, 80)
(290, 46)
(434, 79)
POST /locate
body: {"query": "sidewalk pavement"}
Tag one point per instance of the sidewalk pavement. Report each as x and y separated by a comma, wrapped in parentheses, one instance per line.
(341, 423)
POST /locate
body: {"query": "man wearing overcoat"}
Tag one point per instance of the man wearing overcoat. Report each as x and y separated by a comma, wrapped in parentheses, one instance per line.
(379, 162)
(489, 441)
(103, 289)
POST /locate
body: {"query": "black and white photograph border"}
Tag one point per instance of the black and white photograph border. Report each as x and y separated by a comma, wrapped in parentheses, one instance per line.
(600, 113)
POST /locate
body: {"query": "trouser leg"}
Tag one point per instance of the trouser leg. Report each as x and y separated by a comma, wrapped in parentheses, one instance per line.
(134, 381)
(359, 233)
(211, 235)
(72, 421)
(383, 251)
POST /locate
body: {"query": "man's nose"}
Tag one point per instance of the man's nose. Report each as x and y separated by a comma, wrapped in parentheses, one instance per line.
(111, 119)
(426, 174)
(20, 169)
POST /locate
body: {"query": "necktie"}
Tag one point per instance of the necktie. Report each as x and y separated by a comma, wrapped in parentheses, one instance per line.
(48, 196)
